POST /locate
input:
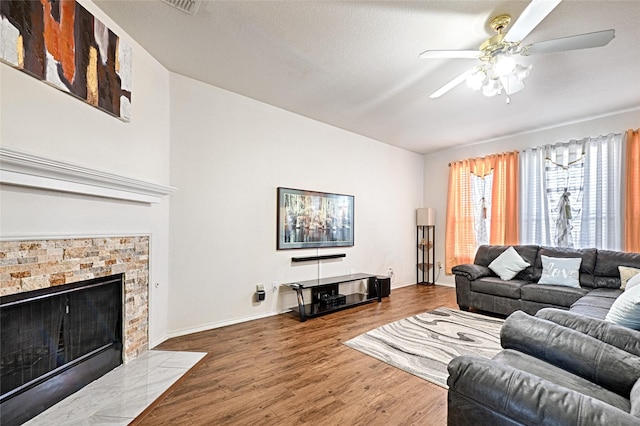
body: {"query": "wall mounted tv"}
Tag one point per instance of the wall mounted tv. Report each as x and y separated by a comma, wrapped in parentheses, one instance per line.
(311, 219)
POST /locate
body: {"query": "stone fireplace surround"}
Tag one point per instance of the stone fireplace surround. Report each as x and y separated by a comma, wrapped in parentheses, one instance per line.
(33, 264)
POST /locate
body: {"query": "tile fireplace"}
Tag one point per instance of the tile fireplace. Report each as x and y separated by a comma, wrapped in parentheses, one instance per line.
(77, 306)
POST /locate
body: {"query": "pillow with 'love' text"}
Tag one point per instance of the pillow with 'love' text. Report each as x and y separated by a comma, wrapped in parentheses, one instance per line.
(561, 271)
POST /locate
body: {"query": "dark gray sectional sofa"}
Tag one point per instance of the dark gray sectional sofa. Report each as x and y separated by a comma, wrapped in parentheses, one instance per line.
(557, 368)
(561, 363)
(478, 287)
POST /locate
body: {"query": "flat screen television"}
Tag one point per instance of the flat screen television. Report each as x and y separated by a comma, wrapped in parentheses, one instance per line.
(312, 219)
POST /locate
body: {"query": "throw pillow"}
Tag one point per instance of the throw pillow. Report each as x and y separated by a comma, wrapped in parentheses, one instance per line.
(561, 271)
(625, 310)
(508, 264)
(626, 273)
(634, 281)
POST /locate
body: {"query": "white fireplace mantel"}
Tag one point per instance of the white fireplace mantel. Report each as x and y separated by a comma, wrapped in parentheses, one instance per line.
(23, 169)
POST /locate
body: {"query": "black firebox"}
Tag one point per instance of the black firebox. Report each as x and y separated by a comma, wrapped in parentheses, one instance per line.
(56, 340)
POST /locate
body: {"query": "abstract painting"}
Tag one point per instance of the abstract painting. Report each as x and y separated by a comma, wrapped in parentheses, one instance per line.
(61, 43)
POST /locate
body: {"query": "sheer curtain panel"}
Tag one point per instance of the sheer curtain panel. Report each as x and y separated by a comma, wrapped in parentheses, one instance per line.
(601, 216)
(535, 223)
(570, 193)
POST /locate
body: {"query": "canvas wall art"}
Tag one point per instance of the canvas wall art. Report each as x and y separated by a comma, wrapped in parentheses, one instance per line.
(311, 219)
(61, 43)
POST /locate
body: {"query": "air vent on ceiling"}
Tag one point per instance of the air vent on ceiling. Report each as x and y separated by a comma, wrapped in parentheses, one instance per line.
(187, 6)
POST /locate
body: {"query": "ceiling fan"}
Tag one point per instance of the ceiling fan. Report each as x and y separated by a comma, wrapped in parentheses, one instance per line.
(498, 71)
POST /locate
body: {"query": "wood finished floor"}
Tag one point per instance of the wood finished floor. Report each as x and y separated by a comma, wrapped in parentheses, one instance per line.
(279, 371)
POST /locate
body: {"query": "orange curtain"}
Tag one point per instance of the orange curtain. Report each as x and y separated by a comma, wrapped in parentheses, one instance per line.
(460, 239)
(505, 218)
(632, 195)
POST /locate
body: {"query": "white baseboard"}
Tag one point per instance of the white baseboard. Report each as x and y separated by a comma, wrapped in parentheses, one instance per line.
(407, 285)
(154, 343)
(218, 324)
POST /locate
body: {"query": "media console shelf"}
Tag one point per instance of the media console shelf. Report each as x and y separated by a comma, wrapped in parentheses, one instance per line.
(326, 297)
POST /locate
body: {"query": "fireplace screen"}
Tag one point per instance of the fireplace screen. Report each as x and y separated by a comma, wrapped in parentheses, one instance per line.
(46, 331)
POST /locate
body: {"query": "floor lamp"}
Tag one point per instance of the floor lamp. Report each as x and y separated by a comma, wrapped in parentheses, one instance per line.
(425, 241)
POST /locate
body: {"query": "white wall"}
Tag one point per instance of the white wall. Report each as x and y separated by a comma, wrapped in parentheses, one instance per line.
(229, 153)
(41, 120)
(437, 169)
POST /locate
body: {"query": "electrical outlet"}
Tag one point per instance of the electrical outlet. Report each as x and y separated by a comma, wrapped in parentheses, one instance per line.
(274, 286)
(260, 287)
(390, 273)
(439, 265)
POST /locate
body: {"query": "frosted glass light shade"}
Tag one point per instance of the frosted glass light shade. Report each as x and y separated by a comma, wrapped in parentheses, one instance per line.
(426, 217)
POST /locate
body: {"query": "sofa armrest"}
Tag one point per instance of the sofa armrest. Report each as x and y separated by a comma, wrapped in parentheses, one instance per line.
(478, 386)
(471, 271)
(616, 335)
(578, 353)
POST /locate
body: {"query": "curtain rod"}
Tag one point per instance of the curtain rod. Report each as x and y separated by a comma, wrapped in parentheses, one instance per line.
(481, 158)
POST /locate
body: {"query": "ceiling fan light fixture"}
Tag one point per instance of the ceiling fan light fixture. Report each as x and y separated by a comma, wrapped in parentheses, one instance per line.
(504, 65)
(476, 79)
(511, 84)
(499, 72)
(521, 72)
(503, 75)
(491, 87)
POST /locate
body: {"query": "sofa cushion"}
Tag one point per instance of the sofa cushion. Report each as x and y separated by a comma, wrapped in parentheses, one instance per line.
(486, 392)
(625, 310)
(496, 304)
(621, 337)
(550, 372)
(586, 266)
(599, 362)
(508, 264)
(552, 294)
(597, 303)
(607, 293)
(532, 308)
(486, 254)
(563, 271)
(606, 270)
(497, 287)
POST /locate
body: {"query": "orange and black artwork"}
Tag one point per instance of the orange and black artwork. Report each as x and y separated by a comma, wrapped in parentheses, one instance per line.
(61, 43)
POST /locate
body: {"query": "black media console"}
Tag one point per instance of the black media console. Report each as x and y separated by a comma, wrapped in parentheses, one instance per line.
(326, 297)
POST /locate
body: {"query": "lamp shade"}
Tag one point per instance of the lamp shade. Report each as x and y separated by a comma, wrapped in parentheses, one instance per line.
(426, 217)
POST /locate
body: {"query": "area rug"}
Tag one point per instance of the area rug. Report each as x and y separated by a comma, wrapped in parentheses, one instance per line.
(424, 344)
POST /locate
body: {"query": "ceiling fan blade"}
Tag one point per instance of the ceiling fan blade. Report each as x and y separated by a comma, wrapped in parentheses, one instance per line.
(450, 54)
(530, 18)
(453, 83)
(581, 41)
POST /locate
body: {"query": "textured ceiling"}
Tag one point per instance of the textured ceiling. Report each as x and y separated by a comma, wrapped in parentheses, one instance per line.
(354, 64)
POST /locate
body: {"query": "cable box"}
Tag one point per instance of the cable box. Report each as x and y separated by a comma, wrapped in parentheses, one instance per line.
(333, 300)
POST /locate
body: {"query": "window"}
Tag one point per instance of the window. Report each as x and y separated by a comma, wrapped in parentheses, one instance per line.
(571, 194)
(568, 194)
(481, 201)
(481, 206)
